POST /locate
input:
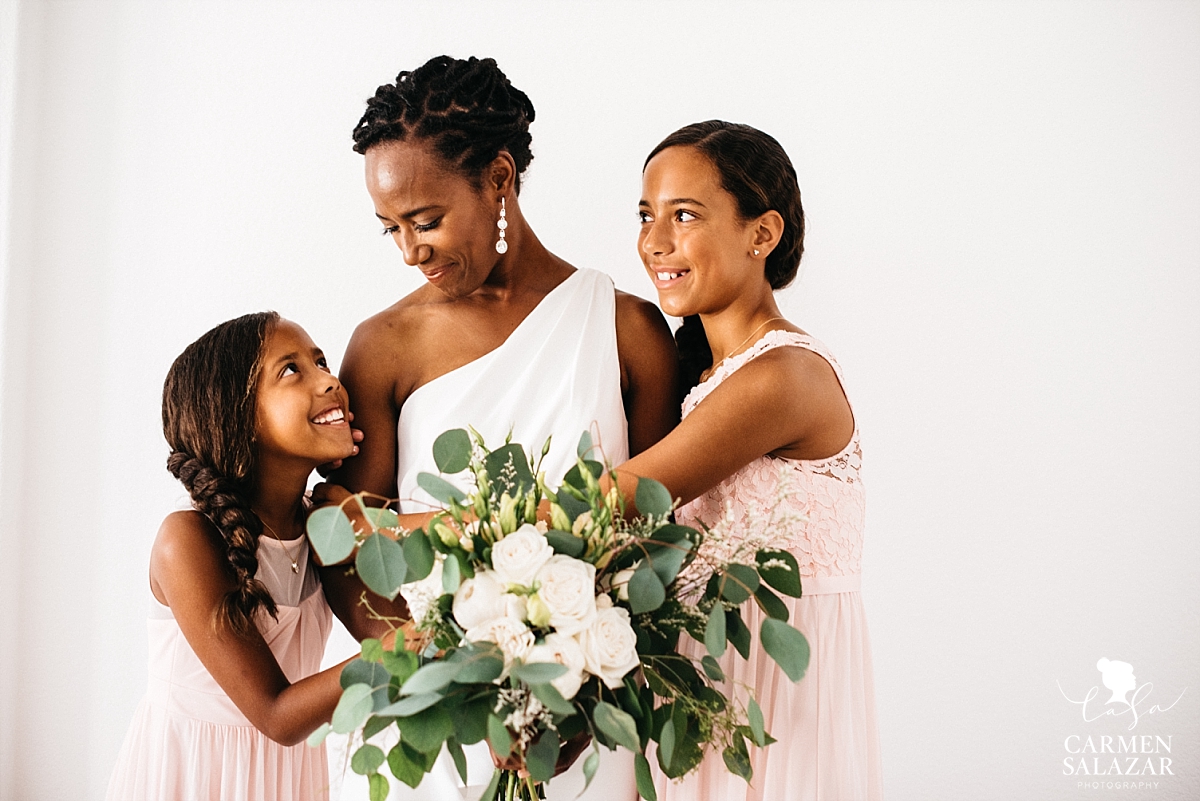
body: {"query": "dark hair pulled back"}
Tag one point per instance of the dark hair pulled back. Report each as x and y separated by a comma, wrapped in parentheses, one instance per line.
(756, 171)
(209, 420)
(467, 109)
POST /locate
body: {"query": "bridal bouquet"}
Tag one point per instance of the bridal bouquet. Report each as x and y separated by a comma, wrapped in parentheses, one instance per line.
(541, 619)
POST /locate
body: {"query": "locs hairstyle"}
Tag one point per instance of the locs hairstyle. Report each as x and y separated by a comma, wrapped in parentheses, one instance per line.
(756, 171)
(467, 109)
(209, 420)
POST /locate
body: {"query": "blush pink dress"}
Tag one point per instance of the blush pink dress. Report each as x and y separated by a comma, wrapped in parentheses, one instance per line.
(828, 740)
(189, 742)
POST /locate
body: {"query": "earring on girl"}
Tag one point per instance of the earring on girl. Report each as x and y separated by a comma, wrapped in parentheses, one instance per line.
(502, 224)
(756, 253)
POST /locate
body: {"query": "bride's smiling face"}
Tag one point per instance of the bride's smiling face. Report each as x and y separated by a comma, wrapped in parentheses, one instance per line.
(443, 223)
(693, 242)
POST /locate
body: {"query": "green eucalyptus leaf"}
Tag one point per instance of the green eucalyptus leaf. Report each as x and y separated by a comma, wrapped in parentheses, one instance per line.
(403, 766)
(712, 668)
(427, 730)
(652, 498)
(376, 724)
(565, 542)
(541, 756)
(714, 631)
(441, 489)
(470, 719)
(318, 736)
(645, 781)
(331, 534)
(460, 759)
(787, 646)
(377, 787)
(646, 591)
(372, 650)
(367, 759)
(589, 767)
(737, 632)
(666, 742)
(552, 699)
(667, 559)
(381, 565)
(674, 533)
(538, 672)
(584, 446)
(353, 708)
(771, 604)
(737, 582)
(418, 555)
(754, 717)
(499, 737)
(382, 517)
(431, 678)
(618, 724)
(737, 759)
(452, 451)
(400, 664)
(372, 674)
(570, 504)
(411, 704)
(785, 577)
(493, 787)
(509, 469)
(574, 476)
(481, 667)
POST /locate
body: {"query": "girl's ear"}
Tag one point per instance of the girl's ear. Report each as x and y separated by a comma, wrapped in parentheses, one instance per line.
(765, 232)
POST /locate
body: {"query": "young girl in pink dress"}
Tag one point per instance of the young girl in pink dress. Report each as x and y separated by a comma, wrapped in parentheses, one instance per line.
(768, 447)
(239, 622)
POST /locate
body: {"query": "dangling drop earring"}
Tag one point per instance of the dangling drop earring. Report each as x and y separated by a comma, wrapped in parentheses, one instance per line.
(502, 224)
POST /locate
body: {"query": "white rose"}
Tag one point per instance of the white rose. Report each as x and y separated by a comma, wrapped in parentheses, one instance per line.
(517, 558)
(610, 646)
(563, 650)
(421, 596)
(478, 600)
(567, 587)
(514, 637)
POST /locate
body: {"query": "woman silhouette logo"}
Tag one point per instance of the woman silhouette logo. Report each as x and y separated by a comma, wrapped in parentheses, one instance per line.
(1118, 677)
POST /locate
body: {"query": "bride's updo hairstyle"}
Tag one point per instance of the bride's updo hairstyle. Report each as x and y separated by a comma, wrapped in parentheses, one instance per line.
(756, 171)
(467, 109)
(209, 420)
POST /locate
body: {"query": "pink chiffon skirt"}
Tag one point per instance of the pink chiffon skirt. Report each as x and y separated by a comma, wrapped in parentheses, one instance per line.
(828, 739)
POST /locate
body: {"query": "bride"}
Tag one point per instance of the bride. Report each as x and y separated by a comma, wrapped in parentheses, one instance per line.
(504, 336)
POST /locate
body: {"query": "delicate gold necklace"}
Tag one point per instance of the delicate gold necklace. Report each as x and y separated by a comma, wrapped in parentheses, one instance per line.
(286, 552)
(707, 373)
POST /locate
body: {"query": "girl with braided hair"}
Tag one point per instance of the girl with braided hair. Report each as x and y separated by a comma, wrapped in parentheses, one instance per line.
(238, 623)
(504, 335)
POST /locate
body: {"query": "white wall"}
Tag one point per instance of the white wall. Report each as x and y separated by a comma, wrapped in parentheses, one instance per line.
(1003, 250)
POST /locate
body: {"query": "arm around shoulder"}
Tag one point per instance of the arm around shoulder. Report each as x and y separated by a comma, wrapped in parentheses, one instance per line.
(649, 371)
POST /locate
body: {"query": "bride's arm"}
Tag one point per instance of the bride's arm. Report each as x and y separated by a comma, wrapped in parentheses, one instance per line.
(649, 371)
(787, 402)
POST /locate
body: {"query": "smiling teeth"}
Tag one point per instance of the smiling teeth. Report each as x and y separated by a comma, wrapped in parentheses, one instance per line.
(667, 276)
(331, 416)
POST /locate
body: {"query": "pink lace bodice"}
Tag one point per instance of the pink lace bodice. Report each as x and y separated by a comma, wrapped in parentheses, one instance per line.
(813, 508)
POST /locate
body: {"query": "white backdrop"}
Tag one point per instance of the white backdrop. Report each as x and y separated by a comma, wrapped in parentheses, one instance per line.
(1003, 251)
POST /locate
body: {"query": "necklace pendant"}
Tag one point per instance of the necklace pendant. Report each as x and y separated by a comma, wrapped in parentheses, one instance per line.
(295, 567)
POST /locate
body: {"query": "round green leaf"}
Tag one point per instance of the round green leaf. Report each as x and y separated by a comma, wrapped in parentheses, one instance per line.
(411, 705)
(404, 766)
(780, 570)
(538, 672)
(427, 730)
(498, 736)
(366, 759)
(381, 517)
(714, 631)
(787, 647)
(652, 498)
(452, 451)
(353, 708)
(646, 591)
(618, 724)
(584, 446)
(431, 678)
(381, 565)
(418, 555)
(712, 668)
(552, 699)
(755, 719)
(441, 489)
(318, 736)
(666, 742)
(770, 603)
(737, 582)
(378, 785)
(331, 534)
(541, 756)
(667, 559)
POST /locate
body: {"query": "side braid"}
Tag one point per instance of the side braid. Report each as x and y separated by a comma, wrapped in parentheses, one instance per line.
(467, 109)
(218, 499)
